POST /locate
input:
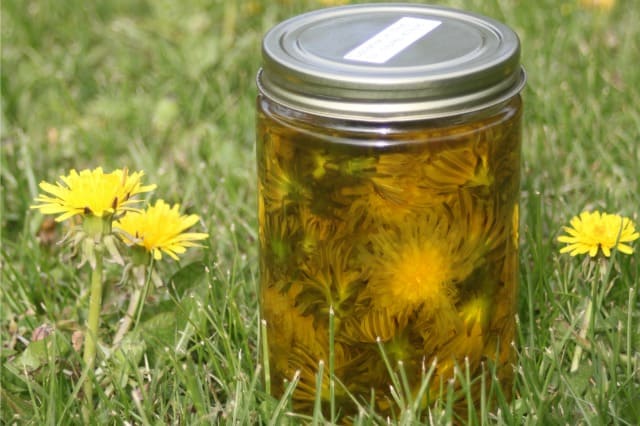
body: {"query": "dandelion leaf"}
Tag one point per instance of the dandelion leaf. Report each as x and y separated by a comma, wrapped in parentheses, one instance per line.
(191, 276)
(42, 352)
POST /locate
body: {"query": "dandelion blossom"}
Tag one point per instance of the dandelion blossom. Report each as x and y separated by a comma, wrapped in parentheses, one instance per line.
(604, 5)
(91, 192)
(418, 264)
(593, 231)
(160, 229)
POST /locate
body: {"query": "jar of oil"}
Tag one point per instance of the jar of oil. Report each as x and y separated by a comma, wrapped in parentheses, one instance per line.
(388, 152)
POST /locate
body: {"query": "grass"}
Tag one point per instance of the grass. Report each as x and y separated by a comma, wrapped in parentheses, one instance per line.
(168, 88)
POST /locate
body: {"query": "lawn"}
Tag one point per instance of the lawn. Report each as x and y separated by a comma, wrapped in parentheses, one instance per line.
(168, 87)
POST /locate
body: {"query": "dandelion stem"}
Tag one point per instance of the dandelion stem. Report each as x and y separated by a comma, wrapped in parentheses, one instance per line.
(586, 325)
(145, 290)
(627, 358)
(95, 306)
(134, 301)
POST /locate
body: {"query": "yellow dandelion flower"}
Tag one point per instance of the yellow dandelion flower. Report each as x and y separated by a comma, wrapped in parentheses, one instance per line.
(453, 169)
(316, 230)
(285, 326)
(278, 237)
(275, 145)
(306, 359)
(419, 264)
(439, 172)
(483, 225)
(319, 163)
(414, 181)
(470, 342)
(280, 188)
(333, 2)
(421, 273)
(593, 231)
(400, 164)
(604, 5)
(160, 229)
(295, 342)
(329, 280)
(366, 206)
(499, 345)
(437, 325)
(515, 225)
(91, 192)
(317, 227)
(400, 185)
(369, 327)
(350, 367)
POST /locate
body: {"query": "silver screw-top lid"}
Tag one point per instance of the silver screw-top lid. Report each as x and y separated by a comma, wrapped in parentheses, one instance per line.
(384, 62)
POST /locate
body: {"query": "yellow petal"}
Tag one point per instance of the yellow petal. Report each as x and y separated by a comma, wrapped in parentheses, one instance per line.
(157, 254)
(629, 238)
(624, 248)
(567, 239)
(56, 190)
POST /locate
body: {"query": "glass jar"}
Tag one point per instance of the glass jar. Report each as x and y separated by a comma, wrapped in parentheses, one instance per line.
(388, 153)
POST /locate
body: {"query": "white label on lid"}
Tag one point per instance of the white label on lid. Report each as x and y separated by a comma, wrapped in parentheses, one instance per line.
(392, 40)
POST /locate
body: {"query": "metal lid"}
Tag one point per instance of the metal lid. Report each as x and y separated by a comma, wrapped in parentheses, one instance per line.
(380, 62)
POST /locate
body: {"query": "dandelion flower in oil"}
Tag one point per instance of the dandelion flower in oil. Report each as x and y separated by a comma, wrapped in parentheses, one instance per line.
(399, 184)
(420, 181)
(285, 326)
(316, 230)
(278, 233)
(482, 225)
(295, 342)
(160, 229)
(276, 147)
(591, 232)
(280, 188)
(369, 326)
(351, 367)
(370, 204)
(306, 360)
(421, 274)
(417, 264)
(475, 314)
(91, 192)
(450, 170)
(329, 280)
(400, 164)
